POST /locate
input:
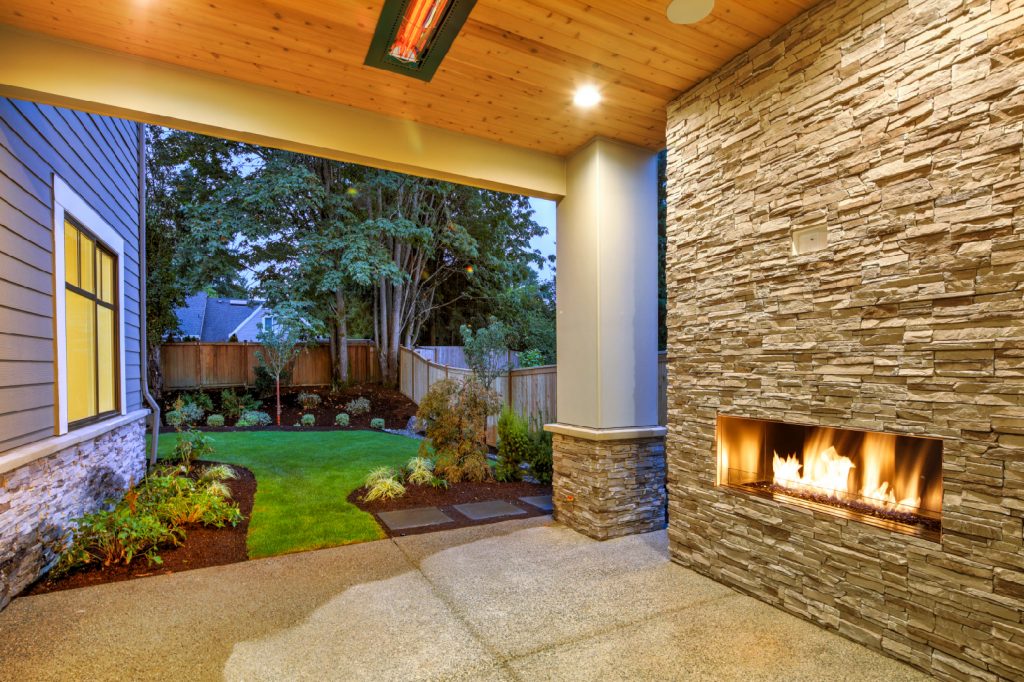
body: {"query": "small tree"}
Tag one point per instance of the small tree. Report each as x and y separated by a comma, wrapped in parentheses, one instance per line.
(280, 347)
(486, 351)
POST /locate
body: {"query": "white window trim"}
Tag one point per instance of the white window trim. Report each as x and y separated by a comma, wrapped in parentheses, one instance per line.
(66, 202)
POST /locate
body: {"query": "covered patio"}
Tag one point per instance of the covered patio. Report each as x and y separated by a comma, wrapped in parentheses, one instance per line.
(525, 600)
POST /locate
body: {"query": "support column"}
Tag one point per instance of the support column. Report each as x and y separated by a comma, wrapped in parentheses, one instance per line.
(609, 454)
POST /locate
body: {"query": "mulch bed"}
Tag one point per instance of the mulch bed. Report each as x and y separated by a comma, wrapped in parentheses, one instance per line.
(387, 403)
(446, 499)
(203, 547)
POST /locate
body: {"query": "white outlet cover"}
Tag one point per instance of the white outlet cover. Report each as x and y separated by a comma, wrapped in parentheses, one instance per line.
(689, 11)
(809, 239)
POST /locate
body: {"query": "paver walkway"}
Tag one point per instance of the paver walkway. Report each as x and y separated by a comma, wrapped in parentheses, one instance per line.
(518, 600)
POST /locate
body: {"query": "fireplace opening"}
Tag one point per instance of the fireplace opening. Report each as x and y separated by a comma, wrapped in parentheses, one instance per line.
(886, 479)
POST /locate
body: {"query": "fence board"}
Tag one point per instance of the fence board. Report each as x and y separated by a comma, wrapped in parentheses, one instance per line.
(194, 365)
(532, 392)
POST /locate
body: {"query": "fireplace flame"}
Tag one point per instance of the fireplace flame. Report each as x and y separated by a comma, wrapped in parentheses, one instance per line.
(824, 471)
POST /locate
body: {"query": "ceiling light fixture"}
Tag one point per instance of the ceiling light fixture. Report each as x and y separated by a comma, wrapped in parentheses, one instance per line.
(689, 11)
(413, 36)
(586, 96)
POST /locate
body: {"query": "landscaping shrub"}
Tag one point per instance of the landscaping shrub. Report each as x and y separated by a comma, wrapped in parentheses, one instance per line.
(486, 351)
(191, 413)
(455, 414)
(150, 516)
(540, 455)
(192, 445)
(309, 401)
(531, 358)
(419, 471)
(358, 406)
(264, 385)
(254, 418)
(341, 419)
(233, 404)
(514, 445)
(308, 420)
(383, 484)
(215, 420)
(200, 399)
(377, 423)
(174, 418)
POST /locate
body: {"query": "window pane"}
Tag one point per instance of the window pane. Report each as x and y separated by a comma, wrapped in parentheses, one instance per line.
(87, 249)
(70, 253)
(106, 372)
(106, 279)
(81, 347)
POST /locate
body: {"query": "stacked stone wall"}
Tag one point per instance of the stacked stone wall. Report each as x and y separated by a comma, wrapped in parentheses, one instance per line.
(896, 125)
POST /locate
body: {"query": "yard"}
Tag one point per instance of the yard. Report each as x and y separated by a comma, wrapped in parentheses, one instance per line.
(303, 480)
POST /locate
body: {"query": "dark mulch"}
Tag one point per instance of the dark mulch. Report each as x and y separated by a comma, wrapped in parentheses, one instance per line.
(387, 403)
(446, 499)
(202, 547)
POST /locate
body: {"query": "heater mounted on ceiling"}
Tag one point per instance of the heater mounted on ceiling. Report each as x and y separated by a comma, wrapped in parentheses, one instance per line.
(413, 36)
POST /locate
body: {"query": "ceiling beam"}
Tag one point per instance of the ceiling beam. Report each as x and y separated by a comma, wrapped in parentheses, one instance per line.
(62, 73)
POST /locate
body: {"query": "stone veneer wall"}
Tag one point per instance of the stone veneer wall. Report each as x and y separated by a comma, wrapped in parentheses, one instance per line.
(606, 489)
(39, 499)
(897, 124)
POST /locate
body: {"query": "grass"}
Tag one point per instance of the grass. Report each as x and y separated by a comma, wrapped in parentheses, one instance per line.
(302, 482)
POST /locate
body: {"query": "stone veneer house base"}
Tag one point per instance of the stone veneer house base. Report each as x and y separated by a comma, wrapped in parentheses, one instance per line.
(39, 499)
(898, 126)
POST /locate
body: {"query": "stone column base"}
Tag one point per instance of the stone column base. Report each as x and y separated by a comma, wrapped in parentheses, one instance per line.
(609, 484)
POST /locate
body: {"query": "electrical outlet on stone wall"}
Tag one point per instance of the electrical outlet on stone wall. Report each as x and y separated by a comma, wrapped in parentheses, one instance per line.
(809, 239)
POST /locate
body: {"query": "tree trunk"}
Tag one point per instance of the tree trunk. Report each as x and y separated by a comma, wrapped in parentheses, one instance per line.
(277, 384)
(156, 375)
(342, 326)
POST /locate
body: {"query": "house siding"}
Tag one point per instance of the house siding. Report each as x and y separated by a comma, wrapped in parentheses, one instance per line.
(97, 157)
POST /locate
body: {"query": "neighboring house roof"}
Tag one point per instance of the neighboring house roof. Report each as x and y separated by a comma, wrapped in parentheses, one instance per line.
(190, 316)
(214, 319)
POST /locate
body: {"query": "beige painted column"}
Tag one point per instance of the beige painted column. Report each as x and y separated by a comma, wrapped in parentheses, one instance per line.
(609, 459)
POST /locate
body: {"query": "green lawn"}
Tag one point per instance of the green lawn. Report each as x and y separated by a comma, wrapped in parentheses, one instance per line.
(302, 482)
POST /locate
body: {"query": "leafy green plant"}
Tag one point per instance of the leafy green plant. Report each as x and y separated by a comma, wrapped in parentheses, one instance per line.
(307, 420)
(377, 423)
(200, 399)
(191, 413)
(254, 418)
(116, 536)
(486, 351)
(341, 419)
(514, 446)
(540, 454)
(358, 406)
(384, 489)
(192, 445)
(174, 418)
(531, 358)
(419, 471)
(455, 414)
(215, 420)
(264, 384)
(309, 401)
(233, 404)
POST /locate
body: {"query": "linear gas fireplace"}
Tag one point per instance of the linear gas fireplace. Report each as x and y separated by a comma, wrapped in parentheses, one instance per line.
(886, 479)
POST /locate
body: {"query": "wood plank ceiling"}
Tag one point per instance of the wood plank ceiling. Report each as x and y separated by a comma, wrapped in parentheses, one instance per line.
(510, 75)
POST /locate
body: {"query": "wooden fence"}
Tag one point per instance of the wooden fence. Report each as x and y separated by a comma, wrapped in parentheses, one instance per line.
(532, 392)
(192, 365)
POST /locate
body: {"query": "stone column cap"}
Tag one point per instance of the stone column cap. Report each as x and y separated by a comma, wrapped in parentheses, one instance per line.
(618, 433)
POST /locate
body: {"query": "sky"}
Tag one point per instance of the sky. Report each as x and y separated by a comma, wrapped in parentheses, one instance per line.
(544, 214)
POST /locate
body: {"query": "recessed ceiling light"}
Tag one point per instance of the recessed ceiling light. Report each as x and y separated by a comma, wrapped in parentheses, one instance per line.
(586, 96)
(689, 11)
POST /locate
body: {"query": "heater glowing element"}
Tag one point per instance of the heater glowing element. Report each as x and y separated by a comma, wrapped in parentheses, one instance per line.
(418, 27)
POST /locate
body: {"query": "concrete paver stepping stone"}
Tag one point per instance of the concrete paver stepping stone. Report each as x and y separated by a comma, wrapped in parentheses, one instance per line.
(542, 502)
(414, 518)
(488, 510)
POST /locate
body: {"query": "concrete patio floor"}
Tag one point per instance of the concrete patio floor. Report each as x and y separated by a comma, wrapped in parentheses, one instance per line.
(521, 600)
